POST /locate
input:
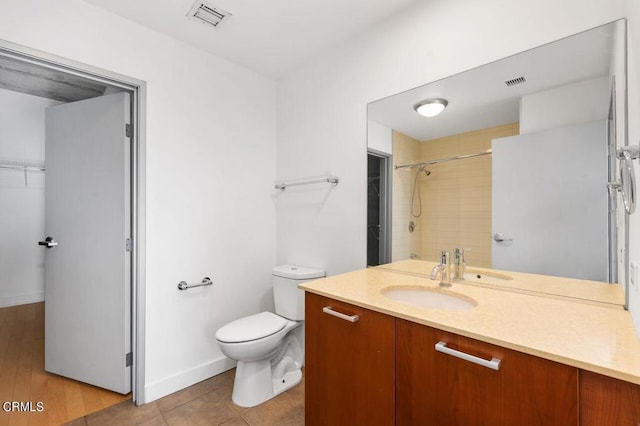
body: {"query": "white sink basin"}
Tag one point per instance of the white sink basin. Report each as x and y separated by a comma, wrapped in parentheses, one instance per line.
(486, 277)
(425, 297)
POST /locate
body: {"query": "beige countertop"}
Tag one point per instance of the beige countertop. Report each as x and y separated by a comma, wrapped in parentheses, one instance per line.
(569, 328)
(581, 290)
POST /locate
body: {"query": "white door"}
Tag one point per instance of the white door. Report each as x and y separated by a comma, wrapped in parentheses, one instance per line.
(549, 202)
(87, 263)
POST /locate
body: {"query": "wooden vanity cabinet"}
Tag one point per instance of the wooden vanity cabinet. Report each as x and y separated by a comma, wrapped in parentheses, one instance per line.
(349, 367)
(382, 370)
(434, 388)
(608, 401)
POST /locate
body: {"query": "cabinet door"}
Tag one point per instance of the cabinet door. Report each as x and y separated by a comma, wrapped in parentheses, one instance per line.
(349, 367)
(608, 401)
(433, 388)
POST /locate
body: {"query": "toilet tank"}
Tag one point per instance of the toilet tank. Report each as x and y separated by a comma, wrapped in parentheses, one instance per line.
(289, 299)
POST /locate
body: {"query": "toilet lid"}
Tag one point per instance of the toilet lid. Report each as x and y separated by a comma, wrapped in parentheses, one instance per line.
(251, 328)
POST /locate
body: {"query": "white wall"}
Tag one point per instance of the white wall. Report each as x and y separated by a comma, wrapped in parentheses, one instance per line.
(633, 87)
(618, 80)
(576, 103)
(379, 137)
(210, 171)
(425, 42)
(553, 206)
(21, 203)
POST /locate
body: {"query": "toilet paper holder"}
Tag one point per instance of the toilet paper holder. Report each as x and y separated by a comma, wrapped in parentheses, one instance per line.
(182, 285)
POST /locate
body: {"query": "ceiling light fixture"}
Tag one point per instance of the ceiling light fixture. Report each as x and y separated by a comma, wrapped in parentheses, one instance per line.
(430, 107)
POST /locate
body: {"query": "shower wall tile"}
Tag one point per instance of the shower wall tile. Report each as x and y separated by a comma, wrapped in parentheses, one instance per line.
(457, 197)
(404, 243)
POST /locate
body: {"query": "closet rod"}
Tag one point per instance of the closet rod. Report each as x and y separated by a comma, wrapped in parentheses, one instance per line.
(22, 168)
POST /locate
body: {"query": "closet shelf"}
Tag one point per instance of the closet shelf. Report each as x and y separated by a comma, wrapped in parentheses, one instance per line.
(23, 165)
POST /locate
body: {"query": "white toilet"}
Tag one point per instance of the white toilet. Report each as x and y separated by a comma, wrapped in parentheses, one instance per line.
(269, 348)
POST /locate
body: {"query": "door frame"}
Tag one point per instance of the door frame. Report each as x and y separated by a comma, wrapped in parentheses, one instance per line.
(386, 172)
(612, 147)
(138, 90)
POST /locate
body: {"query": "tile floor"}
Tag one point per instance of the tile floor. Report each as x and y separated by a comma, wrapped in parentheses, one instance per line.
(206, 403)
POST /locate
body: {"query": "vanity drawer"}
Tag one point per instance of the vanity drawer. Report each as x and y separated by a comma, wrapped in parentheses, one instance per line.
(436, 388)
(349, 368)
(608, 401)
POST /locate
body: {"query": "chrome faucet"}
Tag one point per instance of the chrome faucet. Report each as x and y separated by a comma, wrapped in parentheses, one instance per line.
(459, 265)
(444, 268)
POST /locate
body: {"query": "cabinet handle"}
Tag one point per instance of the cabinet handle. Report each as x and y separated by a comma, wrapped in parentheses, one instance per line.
(494, 364)
(330, 311)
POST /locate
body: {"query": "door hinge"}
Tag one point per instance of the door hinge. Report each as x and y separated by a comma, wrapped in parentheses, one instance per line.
(127, 130)
(128, 359)
(128, 244)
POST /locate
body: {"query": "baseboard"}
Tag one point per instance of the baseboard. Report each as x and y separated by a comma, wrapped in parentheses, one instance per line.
(23, 299)
(185, 379)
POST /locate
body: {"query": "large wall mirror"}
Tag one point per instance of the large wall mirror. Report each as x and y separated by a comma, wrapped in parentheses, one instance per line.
(518, 169)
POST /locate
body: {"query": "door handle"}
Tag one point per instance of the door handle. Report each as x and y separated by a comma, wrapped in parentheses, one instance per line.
(48, 242)
(499, 238)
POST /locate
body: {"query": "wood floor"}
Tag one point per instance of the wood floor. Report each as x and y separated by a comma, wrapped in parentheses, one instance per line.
(23, 379)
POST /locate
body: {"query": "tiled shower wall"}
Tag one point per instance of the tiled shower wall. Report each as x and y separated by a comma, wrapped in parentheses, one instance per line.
(406, 150)
(456, 197)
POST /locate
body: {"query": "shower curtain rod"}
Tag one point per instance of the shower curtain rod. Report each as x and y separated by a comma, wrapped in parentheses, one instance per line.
(441, 160)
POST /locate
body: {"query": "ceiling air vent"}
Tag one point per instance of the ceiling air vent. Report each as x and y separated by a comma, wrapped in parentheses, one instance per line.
(515, 81)
(207, 13)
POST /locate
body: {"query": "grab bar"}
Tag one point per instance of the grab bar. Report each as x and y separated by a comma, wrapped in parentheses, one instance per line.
(182, 285)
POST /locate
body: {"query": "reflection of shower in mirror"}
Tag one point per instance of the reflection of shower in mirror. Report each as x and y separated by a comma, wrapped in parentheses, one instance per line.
(416, 189)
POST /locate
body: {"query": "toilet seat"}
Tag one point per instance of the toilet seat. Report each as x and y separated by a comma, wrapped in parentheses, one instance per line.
(250, 328)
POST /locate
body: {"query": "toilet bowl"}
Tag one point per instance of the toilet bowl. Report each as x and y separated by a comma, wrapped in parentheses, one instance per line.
(268, 347)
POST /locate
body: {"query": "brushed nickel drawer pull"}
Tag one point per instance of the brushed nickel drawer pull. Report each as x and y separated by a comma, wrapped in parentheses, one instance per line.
(330, 311)
(494, 364)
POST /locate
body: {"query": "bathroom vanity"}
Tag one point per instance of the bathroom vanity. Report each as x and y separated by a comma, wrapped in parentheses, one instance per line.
(534, 358)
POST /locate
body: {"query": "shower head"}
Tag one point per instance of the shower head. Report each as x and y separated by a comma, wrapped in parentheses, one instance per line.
(426, 172)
